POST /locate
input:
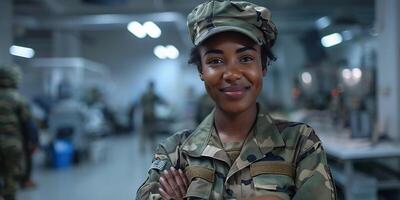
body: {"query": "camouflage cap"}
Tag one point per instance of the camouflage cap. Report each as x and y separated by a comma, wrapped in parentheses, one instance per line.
(10, 76)
(213, 17)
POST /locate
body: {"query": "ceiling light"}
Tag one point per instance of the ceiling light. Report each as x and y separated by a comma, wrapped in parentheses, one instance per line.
(160, 52)
(22, 51)
(306, 77)
(323, 22)
(346, 73)
(347, 35)
(331, 40)
(357, 73)
(172, 52)
(152, 29)
(136, 29)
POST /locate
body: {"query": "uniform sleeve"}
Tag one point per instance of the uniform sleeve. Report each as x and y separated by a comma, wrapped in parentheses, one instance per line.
(313, 177)
(167, 155)
(149, 189)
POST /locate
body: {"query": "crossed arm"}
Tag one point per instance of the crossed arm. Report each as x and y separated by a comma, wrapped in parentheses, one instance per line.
(174, 184)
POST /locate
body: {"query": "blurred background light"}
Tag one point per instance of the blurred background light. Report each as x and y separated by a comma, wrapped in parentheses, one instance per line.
(172, 52)
(160, 52)
(346, 73)
(22, 51)
(152, 29)
(306, 77)
(136, 29)
(164, 52)
(347, 35)
(357, 73)
(331, 40)
(323, 22)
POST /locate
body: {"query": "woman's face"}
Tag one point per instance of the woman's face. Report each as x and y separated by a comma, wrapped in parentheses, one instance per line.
(232, 71)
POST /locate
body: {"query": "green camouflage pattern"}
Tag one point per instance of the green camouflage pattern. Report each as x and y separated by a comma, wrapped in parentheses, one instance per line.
(10, 76)
(213, 17)
(14, 112)
(280, 158)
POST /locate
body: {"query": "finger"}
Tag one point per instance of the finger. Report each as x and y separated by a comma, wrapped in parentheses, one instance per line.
(179, 181)
(184, 178)
(164, 195)
(166, 187)
(162, 183)
(172, 182)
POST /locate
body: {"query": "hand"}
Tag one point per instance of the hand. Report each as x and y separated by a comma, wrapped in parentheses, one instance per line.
(174, 184)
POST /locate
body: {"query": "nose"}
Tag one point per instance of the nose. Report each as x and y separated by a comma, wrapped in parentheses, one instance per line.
(232, 73)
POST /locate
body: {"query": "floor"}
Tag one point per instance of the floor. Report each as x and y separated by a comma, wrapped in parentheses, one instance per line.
(117, 175)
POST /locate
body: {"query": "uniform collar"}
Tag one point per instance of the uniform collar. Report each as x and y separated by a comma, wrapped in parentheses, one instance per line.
(266, 137)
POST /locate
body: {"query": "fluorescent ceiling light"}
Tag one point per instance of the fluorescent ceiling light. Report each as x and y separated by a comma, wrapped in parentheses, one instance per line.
(160, 52)
(323, 22)
(164, 52)
(152, 29)
(357, 73)
(347, 35)
(331, 40)
(136, 29)
(346, 73)
(306, 77)
(172, 52)
(22, 51)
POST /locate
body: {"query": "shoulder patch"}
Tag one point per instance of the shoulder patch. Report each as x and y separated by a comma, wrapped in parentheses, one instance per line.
(158, 165)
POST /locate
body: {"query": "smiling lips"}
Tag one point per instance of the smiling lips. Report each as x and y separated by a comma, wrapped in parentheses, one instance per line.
(235, 91)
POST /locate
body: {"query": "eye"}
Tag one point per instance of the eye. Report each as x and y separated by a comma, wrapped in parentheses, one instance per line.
(246, 59)
(214, 61)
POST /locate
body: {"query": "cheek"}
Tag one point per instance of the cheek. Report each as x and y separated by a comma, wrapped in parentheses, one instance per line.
(210, 76)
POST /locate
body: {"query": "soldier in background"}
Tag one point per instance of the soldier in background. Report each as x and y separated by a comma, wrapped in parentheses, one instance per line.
(238, 151)
(148, 101)
(16, 124)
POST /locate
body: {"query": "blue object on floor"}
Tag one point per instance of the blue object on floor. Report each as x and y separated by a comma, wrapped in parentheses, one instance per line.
(63, 151)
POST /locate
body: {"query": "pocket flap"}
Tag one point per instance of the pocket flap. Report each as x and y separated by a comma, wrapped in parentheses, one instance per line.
(281, 168)
(200, 172)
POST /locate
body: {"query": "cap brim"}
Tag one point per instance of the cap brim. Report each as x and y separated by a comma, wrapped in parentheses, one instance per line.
(207, 34)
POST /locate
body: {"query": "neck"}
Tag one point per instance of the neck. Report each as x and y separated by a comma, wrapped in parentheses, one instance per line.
(234, 126)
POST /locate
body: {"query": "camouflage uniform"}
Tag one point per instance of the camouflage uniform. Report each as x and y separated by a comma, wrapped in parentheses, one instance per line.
(280, 158)
(14, 113)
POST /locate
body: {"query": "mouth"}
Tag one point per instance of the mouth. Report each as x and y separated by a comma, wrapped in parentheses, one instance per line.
(235, 91)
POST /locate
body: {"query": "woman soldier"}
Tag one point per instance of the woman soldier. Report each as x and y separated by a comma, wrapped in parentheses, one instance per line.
(238, 151)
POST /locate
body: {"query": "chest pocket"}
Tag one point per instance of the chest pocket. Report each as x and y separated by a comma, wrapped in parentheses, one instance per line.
(273, 177)
(201, 182)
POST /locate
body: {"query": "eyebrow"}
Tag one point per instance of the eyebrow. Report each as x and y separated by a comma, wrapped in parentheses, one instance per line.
(217, 51)
(245, 49)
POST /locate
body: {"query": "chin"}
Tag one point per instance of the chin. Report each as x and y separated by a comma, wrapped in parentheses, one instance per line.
(235, 107)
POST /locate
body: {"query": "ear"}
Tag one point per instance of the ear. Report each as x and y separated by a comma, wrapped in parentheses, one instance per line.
(264, 71)
(201, 76)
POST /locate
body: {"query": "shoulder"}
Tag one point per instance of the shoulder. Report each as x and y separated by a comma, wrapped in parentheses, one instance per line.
(172, 142)
(297, 133)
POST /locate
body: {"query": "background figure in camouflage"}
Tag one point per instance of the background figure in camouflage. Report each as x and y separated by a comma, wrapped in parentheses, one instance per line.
(15, 117)
(238, 151)
(149, 100)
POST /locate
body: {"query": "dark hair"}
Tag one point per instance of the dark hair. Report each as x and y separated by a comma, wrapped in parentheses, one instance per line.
(266, 56)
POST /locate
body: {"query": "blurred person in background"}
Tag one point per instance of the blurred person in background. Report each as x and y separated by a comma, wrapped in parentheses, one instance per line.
(148, 101)
(239, 151)
(17, 133)
(67, 121)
